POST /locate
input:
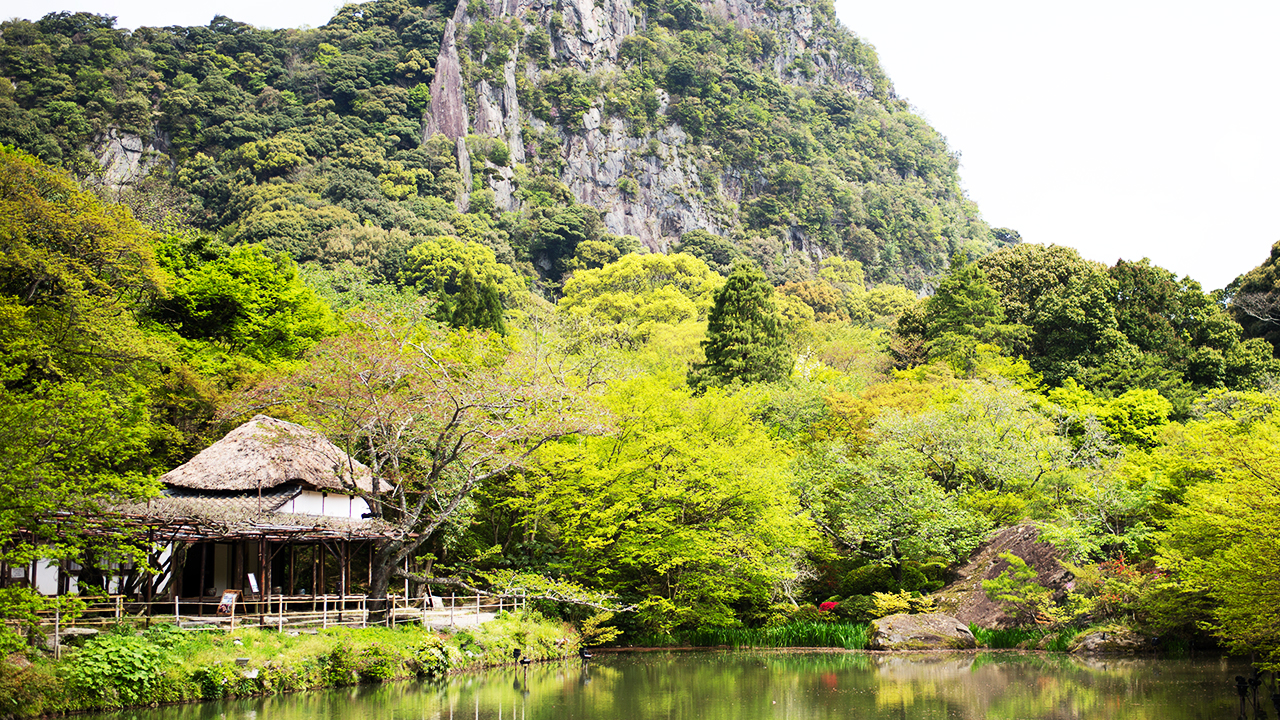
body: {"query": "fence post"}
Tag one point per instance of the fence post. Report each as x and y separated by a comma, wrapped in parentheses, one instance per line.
(325, 613)
(233, 618)
(453, 600)
(119, 607)
(477, 609)
(280, 620)
(177, 619)
(57, 632)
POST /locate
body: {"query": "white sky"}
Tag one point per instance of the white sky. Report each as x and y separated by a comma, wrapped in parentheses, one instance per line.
(1123, 128)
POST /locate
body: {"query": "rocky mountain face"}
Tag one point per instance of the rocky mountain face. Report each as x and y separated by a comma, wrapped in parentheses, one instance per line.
(599, 154)
(765, 124)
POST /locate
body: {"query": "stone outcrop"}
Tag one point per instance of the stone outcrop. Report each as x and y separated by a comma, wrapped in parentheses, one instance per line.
(666, 192)
(1116, 639)
(126, 158)
(928, 631)
(967, 600)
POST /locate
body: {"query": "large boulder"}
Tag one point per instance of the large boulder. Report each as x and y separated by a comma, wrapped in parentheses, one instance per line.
(929, 631)
(967, 600)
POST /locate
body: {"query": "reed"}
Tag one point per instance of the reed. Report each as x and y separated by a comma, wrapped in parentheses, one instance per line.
(850, 636)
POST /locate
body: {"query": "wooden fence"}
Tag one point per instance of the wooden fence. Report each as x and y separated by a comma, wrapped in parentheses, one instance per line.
(284, 612)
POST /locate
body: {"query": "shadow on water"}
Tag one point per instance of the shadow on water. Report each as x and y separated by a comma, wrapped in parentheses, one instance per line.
(773, 684)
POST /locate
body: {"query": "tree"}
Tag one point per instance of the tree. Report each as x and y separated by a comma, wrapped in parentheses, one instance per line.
(1223, 544)
(745, 340)
(684, 509)
(622, 302)
(462, 273)
(1255, 300)
(433, 413)
(75, 367)
(249, 301)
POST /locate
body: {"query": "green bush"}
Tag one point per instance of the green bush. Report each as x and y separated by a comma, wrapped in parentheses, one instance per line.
(340, 666)
(878, 578)
(116, 669)
(379, 663)
(856, 608)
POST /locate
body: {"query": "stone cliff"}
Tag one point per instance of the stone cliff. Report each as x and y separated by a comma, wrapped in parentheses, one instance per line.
(652, 185)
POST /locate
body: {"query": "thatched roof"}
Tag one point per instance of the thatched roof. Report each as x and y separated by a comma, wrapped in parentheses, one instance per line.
(264, 453)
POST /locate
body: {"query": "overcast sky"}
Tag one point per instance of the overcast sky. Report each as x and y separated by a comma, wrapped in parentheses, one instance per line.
(1123, 128)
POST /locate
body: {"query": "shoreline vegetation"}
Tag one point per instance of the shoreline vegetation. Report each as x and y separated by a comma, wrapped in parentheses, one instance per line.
(129, 667)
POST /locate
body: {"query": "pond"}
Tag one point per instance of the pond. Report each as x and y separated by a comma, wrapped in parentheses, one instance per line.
(774, 684)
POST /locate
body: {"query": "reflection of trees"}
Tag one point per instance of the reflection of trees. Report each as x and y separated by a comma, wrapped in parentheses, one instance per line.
(806, 686)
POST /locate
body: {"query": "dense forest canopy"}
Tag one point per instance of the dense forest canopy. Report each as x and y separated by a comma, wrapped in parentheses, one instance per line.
(831, 385)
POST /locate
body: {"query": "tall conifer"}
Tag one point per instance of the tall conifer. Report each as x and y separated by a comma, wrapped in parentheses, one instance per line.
(744, 333)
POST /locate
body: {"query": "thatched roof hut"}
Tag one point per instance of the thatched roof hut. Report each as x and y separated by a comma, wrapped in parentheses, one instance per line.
(265, 453)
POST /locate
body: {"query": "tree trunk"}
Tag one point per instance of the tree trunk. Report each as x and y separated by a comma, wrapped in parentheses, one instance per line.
(383, 564)
(897, 564)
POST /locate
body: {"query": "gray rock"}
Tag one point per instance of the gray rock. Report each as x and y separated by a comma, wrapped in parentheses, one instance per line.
(1107, 641)
(928, 631)
(74, 636)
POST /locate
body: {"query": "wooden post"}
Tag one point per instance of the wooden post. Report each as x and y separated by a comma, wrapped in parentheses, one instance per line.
(204, 566)
(57, 632)
(325, 614)
(452, 601)
(177, 619)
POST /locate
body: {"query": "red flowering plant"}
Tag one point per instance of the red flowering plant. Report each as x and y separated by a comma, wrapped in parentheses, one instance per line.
(827, 606)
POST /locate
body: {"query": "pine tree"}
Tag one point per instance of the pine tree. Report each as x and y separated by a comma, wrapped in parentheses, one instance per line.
(744, 333)
(475, 306)
(966, 310)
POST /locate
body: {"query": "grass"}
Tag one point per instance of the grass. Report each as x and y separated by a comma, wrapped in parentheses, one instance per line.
(850, 636)
(123, 668)
(1030, 638)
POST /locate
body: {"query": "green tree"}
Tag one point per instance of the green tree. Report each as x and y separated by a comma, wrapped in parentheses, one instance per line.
(454, 272)
(75, 367)
(434, 414)
(683, 509)
(1222, 544)
(623, 302)
(745, 338)
(250, 301)
(1255, 300)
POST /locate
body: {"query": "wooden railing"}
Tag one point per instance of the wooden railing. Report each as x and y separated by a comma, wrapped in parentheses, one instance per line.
(288, 612)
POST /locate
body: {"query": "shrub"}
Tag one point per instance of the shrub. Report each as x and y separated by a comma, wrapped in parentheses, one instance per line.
(379, 663)
(1016, 590)
(870, 579)
(117, 669)
(340, 666)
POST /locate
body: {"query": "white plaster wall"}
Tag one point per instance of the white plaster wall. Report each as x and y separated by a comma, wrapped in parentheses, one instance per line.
(310, 502)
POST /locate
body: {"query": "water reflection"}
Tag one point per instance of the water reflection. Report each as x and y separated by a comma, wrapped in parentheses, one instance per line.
(804, 686)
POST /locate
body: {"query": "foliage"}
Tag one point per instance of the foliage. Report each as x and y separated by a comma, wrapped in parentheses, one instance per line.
(1222, 543)
(116, 670)
(432, 413)
(744, 335)
(690, 536)
(1255, 300)
(1016, 591)
(76, 368)
(622, 302)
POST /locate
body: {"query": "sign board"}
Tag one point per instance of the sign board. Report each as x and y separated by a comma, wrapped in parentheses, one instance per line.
(227, 606)
(253, 584)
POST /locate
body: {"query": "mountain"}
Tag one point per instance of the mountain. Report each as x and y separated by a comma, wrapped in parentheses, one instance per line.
(528, 126)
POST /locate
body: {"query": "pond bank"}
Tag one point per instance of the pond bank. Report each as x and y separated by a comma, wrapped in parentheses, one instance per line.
(164, 665)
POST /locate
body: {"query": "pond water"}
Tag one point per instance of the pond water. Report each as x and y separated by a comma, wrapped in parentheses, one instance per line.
(773, 684)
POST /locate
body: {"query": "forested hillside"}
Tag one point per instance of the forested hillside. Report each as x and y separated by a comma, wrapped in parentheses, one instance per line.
(621, 301)
(770, 126)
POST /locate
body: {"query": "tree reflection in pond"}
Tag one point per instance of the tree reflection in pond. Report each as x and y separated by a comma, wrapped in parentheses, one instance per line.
(799, 685)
